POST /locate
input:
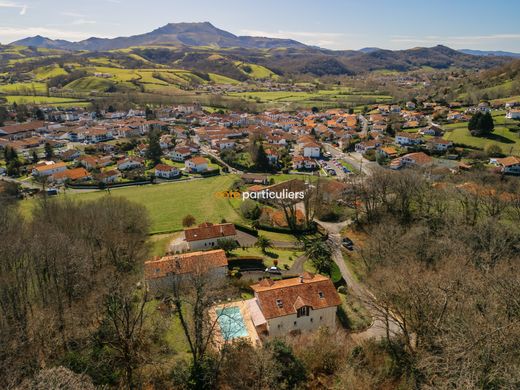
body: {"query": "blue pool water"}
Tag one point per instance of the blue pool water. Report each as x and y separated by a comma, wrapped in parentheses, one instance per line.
(231, 323)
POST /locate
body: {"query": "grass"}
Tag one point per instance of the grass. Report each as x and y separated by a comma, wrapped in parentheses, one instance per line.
(274, 236)
(24, 88)
(159, 244)
(358, 318)
(285, 257)
(507, 140)
(168, 203)
(45, 100)
(47, 72)
(219, 79)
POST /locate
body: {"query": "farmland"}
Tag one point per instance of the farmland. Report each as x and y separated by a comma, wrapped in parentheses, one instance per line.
(502, 136)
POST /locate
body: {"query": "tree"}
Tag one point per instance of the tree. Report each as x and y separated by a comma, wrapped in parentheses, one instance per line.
(34, 157)
(154, 151)
(227, 244)
(262, 162)
(481, 125)
(250, 209)
(188, 220)
(49, 152)
(123, 331)
(320, 255)
(263, 243)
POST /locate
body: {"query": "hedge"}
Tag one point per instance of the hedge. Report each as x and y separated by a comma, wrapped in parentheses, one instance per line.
(246, 229)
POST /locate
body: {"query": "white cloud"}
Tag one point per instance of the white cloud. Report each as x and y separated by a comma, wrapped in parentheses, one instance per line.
(9, 4)
(455, 41)
(322, 39)
(81, 21)
(9, 34)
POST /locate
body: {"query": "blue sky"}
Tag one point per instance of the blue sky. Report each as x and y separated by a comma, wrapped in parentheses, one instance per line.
(334, 24)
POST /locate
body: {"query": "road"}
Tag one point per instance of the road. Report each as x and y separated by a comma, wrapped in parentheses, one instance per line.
(355, 159)
(211, 153)
(377, 329)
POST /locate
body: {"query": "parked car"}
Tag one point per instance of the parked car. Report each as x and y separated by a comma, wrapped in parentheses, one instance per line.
(273, 270)
(332, 172)
(347, 243)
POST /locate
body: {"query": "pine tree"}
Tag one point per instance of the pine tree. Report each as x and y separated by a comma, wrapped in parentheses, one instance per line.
(154, 152)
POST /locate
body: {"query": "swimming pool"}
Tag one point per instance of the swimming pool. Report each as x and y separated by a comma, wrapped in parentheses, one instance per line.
(231, 323)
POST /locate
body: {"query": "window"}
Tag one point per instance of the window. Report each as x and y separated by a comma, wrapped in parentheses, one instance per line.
(302, 311)
(295, 323)
(279, 303)
(312, 319)
(320, 293)
(321, 318)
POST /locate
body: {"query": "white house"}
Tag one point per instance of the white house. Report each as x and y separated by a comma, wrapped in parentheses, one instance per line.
(206, 235)
(403, 138)
(513, 114)
(294, 305)
(510, 165)
(311, 149)
(180, 154)
(166, 171)
(129, 163)
(300, 162)
(196, 164)
(161, 274)
(47, 168)
(439, 144)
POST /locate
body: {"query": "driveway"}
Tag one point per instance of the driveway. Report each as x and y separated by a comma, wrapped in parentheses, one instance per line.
(378, 328)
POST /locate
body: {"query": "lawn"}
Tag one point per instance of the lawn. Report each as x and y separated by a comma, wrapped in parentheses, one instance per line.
(508, 141)
(274, 236)
(24, 88)
(168, 203)
(284, 256)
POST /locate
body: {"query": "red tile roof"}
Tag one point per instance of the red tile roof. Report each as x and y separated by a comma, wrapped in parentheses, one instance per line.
(195, 262)
(285, 297)
(207, 231)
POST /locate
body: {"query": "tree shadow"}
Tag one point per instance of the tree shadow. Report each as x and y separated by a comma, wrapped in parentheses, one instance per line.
(498, 138)
(272, 255)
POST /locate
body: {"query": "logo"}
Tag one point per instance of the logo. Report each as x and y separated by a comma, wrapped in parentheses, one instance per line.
(262, 195)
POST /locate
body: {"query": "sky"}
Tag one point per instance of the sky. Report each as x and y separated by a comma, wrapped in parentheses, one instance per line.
(333, 24)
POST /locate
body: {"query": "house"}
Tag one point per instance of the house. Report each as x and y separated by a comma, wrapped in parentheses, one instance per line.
(196, 164)
(513, 114)
(180, 153)
(70, 154)
(509, 165)
(301, 162)
(161, 274)
(75, 174)
(47, 168)
(419, 159)
(439, 144)
(311, 149)
(387, 151)
(166, 171)
(363, 147)
(408, 139)
(224, 144)
(129, 163)
(92, 162)
(410, 105)
(254, 178)
(434, 130)
(21, 130)
(294, 305)
(206, 235)
(108, 176)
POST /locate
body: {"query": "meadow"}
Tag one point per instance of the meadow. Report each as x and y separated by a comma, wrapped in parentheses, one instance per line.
(502, 136)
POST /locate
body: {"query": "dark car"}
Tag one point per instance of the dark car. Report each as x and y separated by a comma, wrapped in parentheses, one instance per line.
(347, 243)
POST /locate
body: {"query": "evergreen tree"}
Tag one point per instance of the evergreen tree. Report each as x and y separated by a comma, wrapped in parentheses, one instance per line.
(49, 152)
(481, 125)
(34, 157)
(154, 152)
(262, 162)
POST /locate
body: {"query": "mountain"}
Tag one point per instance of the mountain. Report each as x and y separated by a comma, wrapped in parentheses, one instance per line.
(490, 53)
(175, 34)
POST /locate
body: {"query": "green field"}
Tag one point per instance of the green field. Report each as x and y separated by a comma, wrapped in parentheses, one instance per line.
(168, 203)
(24, 88)
(45, 100)
(508, 141)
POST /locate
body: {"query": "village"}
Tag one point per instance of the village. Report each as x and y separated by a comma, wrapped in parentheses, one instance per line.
(75, 146)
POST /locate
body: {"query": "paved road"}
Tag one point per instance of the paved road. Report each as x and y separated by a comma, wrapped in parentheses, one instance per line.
(355, 159)
(378, 328)
(211, 153)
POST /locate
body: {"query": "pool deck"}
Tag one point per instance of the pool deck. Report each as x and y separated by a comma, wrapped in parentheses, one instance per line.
(248, 322)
